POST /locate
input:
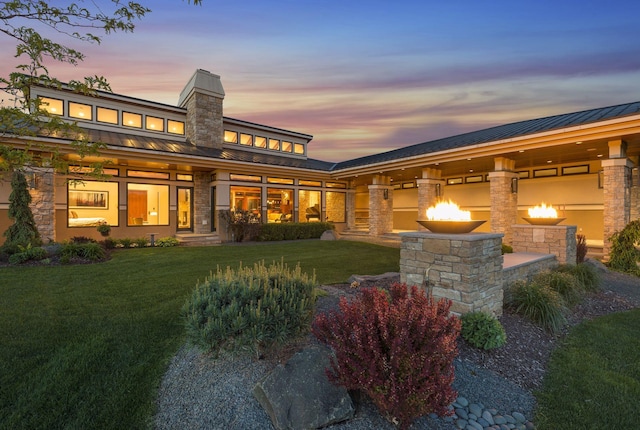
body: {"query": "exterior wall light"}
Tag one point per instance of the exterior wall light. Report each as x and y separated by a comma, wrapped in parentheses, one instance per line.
(514, 185)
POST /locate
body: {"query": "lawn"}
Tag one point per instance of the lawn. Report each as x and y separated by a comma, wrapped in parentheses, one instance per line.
(593, 380)
(86, 346)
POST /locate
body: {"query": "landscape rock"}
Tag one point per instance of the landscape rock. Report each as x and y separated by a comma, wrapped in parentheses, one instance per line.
(298, 395)
(598, 265)
(330, 235)
(372, 278)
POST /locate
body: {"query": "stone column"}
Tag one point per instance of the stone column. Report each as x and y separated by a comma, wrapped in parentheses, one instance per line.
(43, 202)
(504, 198)
(429, 191)
(380, 206)
(202, 97)
(202, 203)
(635, 192)
(617, 197)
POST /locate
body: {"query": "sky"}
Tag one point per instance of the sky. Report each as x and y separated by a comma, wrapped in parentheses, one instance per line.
(366, 77)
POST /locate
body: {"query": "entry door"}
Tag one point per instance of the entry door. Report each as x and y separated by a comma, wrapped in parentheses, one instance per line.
(185, 208)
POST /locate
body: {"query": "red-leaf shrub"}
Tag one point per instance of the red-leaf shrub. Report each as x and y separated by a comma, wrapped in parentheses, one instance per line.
(398, 349)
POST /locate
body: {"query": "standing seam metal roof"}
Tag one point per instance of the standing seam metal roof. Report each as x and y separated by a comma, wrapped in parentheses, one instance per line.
(501, 132)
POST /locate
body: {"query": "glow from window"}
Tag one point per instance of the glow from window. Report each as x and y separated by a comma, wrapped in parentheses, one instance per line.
(154, 123)
(175, 127)
(109, 116)
(230, 136)
(131, 119)
(246, 139)
(261, 142)
(53, 106)
(298, 148)
(80, 111)
(274, 144)
(287, 146)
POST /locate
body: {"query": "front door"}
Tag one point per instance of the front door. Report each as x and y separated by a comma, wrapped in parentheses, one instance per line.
(185, 208)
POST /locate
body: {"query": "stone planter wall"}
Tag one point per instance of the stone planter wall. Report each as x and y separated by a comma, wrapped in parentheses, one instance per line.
(559, 240)
(465, 268)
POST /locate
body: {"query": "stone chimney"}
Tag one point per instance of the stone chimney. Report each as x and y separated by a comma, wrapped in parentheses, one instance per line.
(202, 97)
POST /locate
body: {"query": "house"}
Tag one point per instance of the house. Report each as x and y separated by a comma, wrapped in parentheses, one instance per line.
(172, 169)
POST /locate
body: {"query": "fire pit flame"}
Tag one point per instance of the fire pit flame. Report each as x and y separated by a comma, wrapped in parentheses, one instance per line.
(543, 211)
(446, 217)
(447, 211)
(543, 215)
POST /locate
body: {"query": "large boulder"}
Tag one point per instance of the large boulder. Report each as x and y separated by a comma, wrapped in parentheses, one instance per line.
(299, 395)
(330, 235)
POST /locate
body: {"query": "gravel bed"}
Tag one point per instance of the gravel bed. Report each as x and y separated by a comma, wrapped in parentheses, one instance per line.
(198, 392)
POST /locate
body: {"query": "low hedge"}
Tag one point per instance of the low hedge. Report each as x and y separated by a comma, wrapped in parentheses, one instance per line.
(293, 230)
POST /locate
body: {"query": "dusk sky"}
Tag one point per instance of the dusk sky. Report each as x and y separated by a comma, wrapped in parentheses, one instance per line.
(365, 77)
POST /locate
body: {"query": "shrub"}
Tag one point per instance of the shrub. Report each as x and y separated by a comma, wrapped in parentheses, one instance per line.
(539, 303)
(82, 239)
(109, 243)
(293, 231)
(585, 275)
(581, 248)
(27, 253)
(166, 242)
(507, 249)
(250, 308)
(125, 242)
(244, 225)
(141, 242)
(397, 349)
(624, 256)
(562, 282)
(23, 231)
(85, 251)
(483, 330)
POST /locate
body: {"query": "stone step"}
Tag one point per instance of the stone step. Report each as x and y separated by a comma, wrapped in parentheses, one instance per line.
(192, 239)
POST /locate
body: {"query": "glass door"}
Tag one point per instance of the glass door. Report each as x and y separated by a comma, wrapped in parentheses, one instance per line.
(185, 208)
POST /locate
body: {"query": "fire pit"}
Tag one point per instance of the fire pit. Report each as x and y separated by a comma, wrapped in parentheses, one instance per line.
(543, 215)
(447, 218)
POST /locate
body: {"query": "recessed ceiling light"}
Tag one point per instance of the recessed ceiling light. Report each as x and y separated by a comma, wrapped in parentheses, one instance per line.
(522, 150)
(578, 143)
(591, 149)
(549, 161)
(599, 155)
(470, 170)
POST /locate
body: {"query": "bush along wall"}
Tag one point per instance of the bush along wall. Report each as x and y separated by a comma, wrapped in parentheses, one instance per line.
(251, 308)
(293, 230)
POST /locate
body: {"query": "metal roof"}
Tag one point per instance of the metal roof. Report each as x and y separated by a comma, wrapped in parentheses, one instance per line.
(507, 131)
(148, 143)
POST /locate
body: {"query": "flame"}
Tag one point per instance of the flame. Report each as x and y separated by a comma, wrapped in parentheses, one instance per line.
(447, 211)
(543, 211)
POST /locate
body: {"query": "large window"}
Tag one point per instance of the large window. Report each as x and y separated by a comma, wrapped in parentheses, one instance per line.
(309, 206)
(147, 204)
(92, 203)
(80, 111)
(336, 206)
(246, 199)
(279, 205)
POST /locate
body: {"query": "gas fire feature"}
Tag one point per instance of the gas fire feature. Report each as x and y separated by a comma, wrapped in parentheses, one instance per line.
(543, 215)
(447, 218)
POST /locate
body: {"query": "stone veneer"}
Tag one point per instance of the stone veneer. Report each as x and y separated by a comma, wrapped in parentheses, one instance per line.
(201, 203)
(617, 197)
(465, 268)
(559, 240)
(42, 204)
(527, 270)
(504, 203)
(380, 209)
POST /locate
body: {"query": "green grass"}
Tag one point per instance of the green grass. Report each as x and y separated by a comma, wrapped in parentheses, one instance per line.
(593, 380)
(86, 346)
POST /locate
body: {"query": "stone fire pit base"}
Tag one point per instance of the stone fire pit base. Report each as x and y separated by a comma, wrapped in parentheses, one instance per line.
(465, 268)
